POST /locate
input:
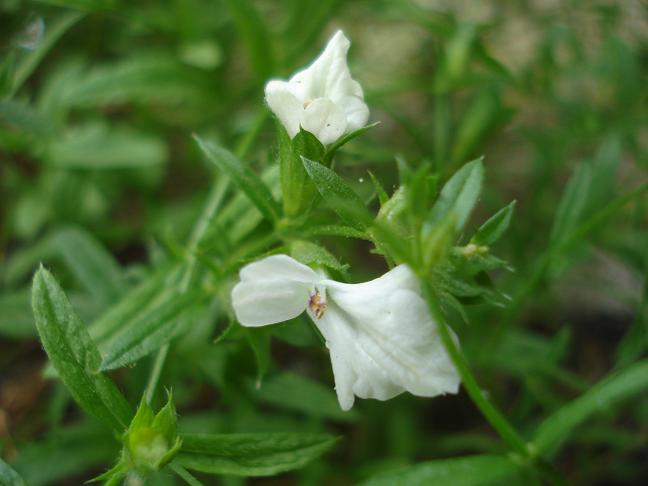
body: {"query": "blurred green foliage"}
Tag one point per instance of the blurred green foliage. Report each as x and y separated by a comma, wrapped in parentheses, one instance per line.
(102, 182)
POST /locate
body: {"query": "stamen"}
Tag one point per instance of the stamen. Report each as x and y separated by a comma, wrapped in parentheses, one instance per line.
(316, 305)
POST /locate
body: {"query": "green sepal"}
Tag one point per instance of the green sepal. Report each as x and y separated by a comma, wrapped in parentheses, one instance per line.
(113, 475)
(151, 440)
(298, 191)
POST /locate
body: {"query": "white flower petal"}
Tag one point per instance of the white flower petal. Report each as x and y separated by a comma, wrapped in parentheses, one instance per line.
(394, 346)
(341, 347)
(329, 71)
(284, 105)
(269, 301)
(324, 119)
(278, 267)
(301, 100)
(380, 335)
(271, 290)
(356, 110)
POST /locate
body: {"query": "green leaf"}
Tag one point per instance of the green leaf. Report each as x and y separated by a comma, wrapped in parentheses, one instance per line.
(9, 477)
(482, 114)
(604, 170)
(239, 215)
(18, 116)
(92, 265)
(74, 354)
(290, 391)
(602, 397)
(461, 471)
(251, 454)
(97, 147)
(131, 306)
(17, 319)
(459, 195)
(392, 243)
(7, 67)
(634, 343)
(243, 177)
(572, 204)
(153, 77)
(437, 241)
(380, 191)
(346, 139)
(259, 340)
(70, 452)
(150, 330)
(338, 195)
(310, 253)
(336, 230)
(491, 231)
(54, 31)
(255, 36)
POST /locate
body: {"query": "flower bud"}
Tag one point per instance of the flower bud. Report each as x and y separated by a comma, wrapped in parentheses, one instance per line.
(151, 440)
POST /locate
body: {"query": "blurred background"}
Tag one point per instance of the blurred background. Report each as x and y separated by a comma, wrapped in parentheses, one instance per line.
(98, 103)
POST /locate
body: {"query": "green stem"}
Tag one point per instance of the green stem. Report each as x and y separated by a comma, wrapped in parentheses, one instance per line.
(214, 201)
(192, 272)
(494, 416)
(184, 474)
(156, 371)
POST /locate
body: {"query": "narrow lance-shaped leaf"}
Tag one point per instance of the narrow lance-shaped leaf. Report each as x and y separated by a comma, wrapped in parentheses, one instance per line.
(120, 315)
(298, 190)
(74, 354)
(54, 31)
(344, 139)
(243, 177)
(459, 195)
(460, 471)
(338, 195)
(310, 253)
(95, 146)
(251, 454)
(9, 477)
(289, 391)
(69, 452)
(259, 340)
(93, 266)
(150, 330)
(491, 231)
(572, 203)
(558, 427)
(17, 318)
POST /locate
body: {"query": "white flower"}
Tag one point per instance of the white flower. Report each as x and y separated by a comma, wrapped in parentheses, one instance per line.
(322, 99)
(380, 335)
